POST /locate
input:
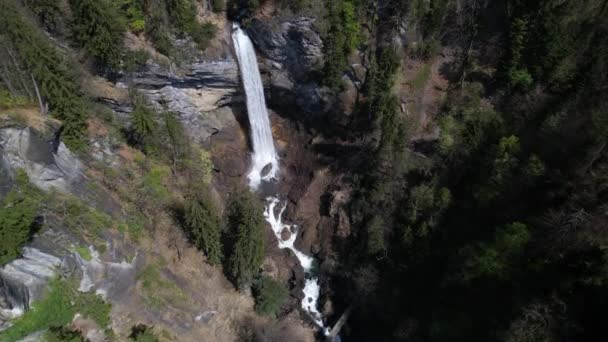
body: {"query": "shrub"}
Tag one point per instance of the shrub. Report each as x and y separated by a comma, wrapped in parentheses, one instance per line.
(217, 6)
(17, 222)
(270, 296)
(7, 100)
(142, 333)
(135, 60)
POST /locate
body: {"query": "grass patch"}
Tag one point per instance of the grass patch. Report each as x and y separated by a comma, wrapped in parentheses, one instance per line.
(56, 309)
(84, 253)
(159, 292)
(79, 217)
(421, 78)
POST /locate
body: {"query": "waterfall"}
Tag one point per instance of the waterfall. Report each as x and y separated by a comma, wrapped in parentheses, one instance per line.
(264, 154)
(264, 161)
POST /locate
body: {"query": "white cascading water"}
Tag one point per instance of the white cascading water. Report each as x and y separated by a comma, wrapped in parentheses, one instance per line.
(264, 154)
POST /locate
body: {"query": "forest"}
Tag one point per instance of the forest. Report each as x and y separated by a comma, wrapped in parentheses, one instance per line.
(496, 229)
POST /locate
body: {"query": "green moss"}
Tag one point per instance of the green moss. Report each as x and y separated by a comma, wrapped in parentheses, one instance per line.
(57, 309)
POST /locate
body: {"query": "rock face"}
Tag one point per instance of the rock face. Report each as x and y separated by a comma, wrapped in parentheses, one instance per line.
(48, 164)
(25, 279)
(294, 44)
(199, 96)
(293, 50)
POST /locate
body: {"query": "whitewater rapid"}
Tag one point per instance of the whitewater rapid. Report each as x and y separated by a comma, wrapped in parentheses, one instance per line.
(264, 154)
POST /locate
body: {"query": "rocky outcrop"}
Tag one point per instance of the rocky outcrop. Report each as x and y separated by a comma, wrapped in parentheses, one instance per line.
(48, 163)
(52, 252)
(294, 44)
(199, 95)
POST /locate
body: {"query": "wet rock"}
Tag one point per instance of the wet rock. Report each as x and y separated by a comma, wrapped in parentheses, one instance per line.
(285, 234)
(265, 170)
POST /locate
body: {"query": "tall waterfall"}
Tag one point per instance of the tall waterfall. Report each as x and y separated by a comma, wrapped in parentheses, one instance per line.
(264, 153)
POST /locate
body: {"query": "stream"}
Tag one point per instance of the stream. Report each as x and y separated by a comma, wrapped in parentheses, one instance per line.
(265, 167)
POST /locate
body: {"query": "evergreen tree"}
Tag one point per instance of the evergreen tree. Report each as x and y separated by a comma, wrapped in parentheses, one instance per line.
(205, 226)
(177, 141)
(98, 29)
(270, 296)
(57, 82)
(17, 219)
(143, 126)
(246, 237)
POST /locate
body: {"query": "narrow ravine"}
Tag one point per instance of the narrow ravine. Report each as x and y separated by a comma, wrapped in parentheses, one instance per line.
(265, 167)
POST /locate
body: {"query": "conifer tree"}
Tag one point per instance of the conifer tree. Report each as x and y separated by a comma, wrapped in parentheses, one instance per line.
(205, 226)
(143, 126)
(97, 28)
(246, 236)
(58, 85)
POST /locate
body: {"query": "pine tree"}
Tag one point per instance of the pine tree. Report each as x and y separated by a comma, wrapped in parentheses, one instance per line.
(57, 82)
(17, 219)
(246, 236)
(205, 227)
(143, 126)
(98, 29)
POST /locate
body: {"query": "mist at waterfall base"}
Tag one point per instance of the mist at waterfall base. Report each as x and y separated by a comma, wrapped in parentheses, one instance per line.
(264, 155)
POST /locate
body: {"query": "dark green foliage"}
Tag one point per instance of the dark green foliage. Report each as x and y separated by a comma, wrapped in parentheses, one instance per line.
(238, 9)
(17, 220)
(48, 12)
(157, 26)
(424, 207)
(57, 82)
(62, 334)
(205, 225)
(218, 6)
(142, 333)
(342, 38)
(144, 128)
(177, 145)
(97, 28)
(245, 229)
(375, 236)
(134, 12)
(182, 14)
(496, 258)
(135, 60)
(270, 295)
